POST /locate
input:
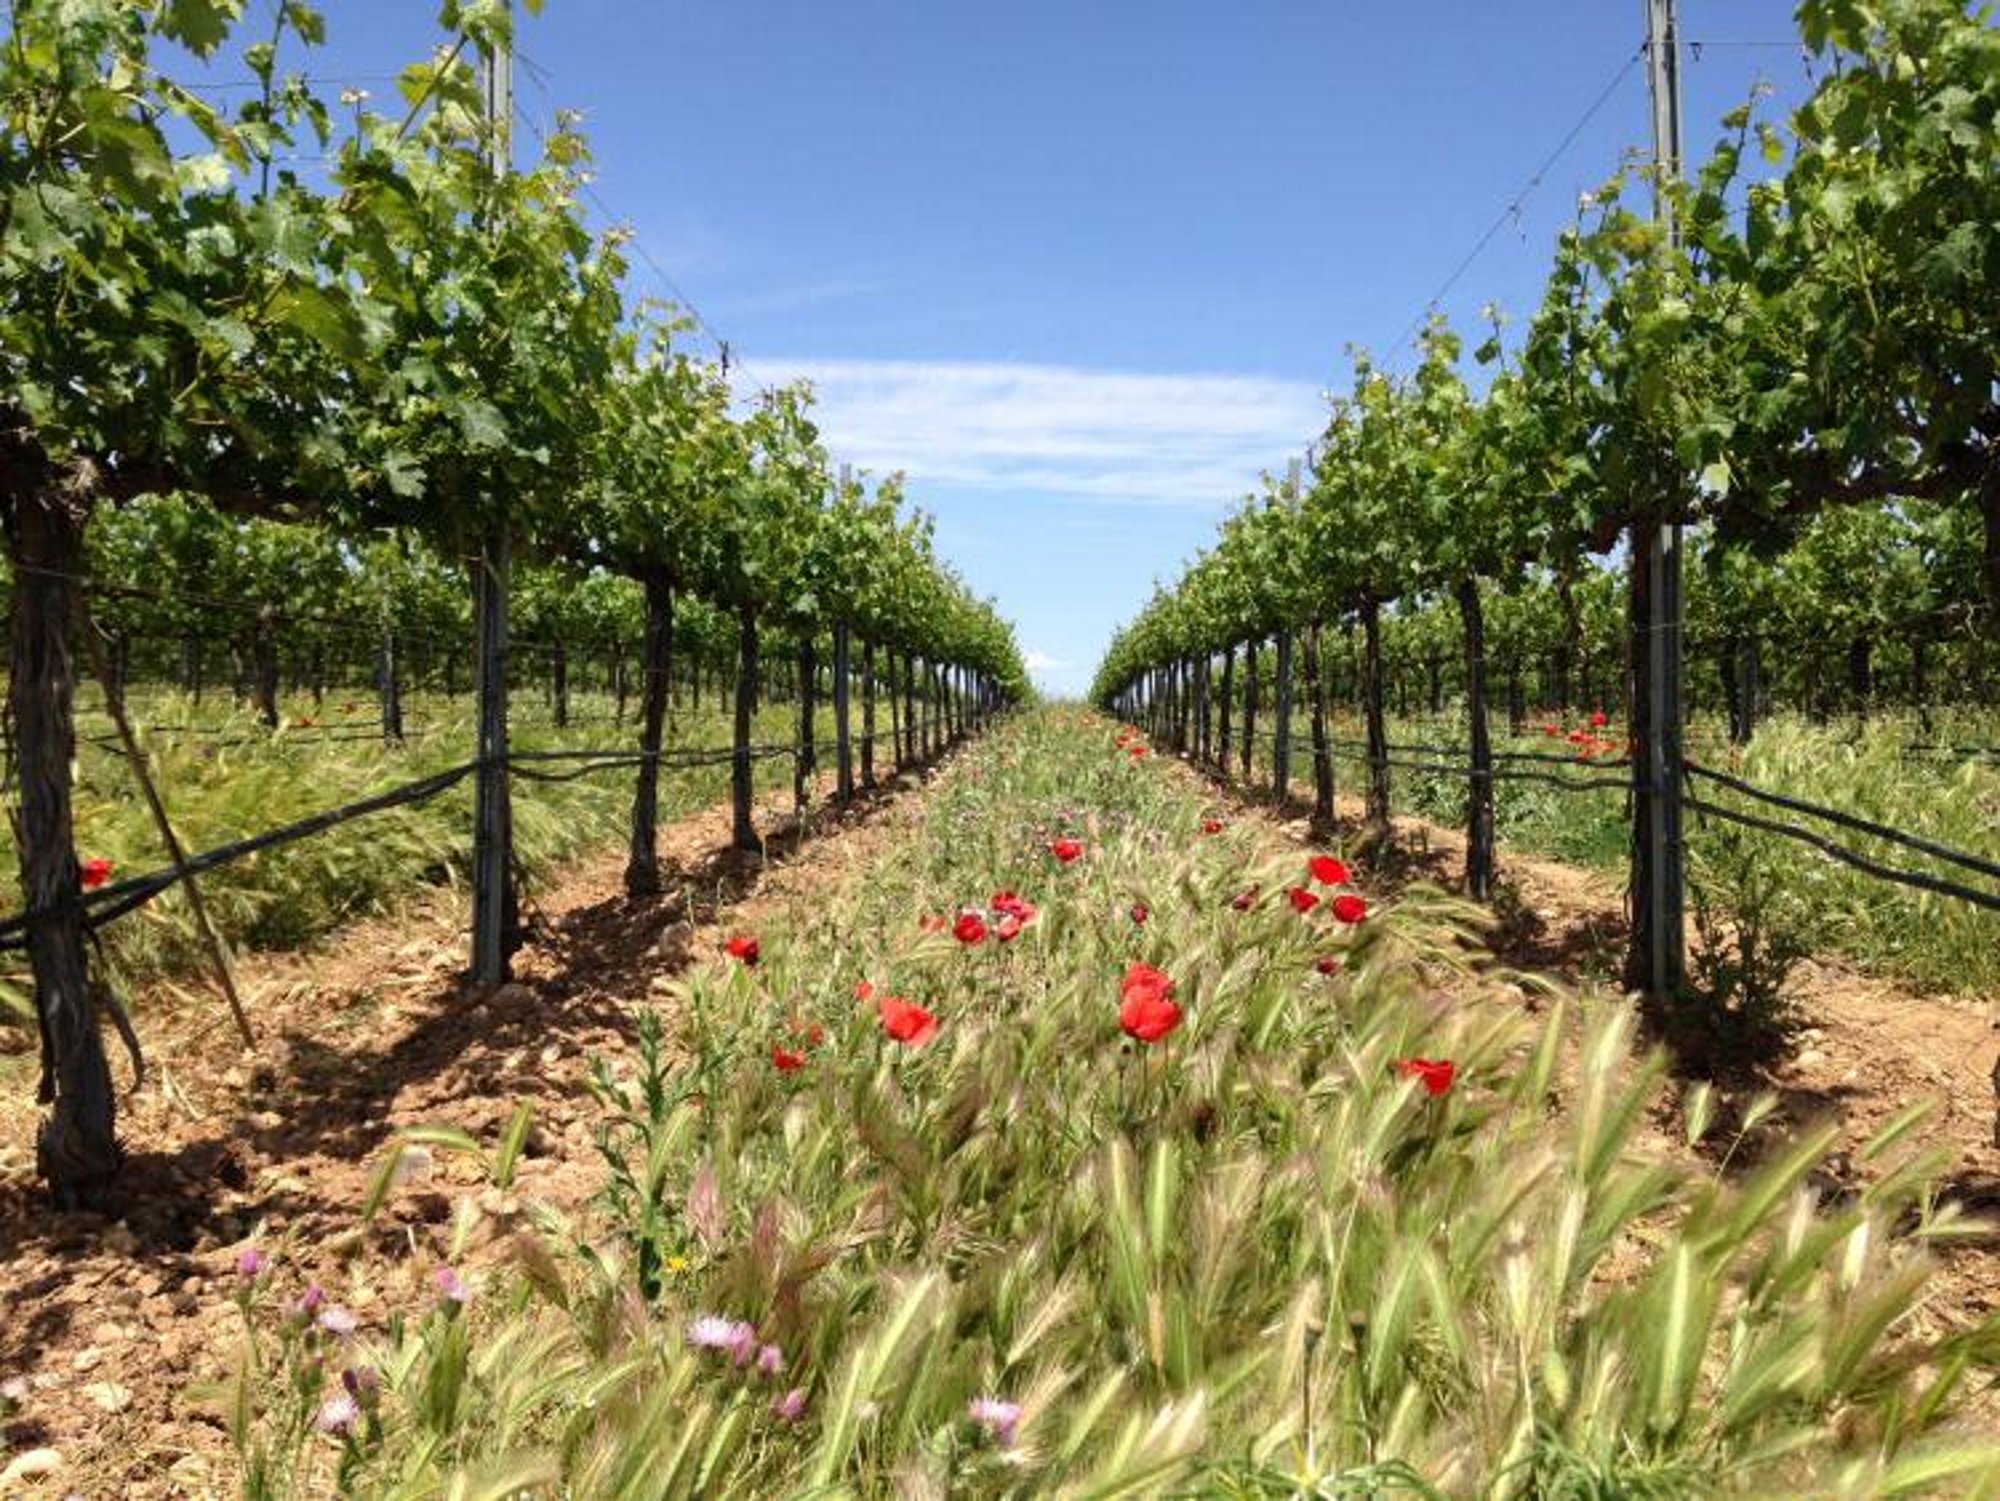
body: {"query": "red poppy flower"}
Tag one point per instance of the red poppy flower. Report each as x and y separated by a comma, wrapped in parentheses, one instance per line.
(1552, 730)
(1599, 719)
(1066, 850)
(1349, 908)
(1148, 1018)
(1146, 982)
(743, 947)
(1007, 904)
(1140, 912)
(906, 1021)
(1141, 750)
(812, 1032)
(1243, 901)
(1302, 899)
(1211, 826)
(95, 872)
(1327, 964)
(1330, 872)
(970, 928)
(1146, 1009)
(304, 722)
(1435, 1074)
(1008, 928)
(1577, 737)
(864, 990)
(786, 1059)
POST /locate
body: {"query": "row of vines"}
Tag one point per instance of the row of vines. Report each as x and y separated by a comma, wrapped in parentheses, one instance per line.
(1792, 361)
(340, 396)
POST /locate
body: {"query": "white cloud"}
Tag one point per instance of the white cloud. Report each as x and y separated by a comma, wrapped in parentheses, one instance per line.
(1041, 661)
(1137, 439)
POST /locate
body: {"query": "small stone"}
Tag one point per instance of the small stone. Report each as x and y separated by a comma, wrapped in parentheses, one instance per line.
(30, 1464)
(87, 1359)
(109, 1395)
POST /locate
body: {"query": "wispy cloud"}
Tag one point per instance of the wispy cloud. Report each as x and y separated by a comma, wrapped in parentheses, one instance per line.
(1013, 428)
(1041, 661)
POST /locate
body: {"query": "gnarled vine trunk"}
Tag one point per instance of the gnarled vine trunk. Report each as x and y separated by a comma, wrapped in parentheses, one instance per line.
(77, 1151)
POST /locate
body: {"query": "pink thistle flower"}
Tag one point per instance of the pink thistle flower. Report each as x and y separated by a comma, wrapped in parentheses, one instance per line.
(338, 1414)
(997, 1416)
(791, 1406)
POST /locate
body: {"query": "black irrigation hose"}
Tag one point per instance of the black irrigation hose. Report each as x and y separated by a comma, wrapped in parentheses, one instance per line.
(1848, 857)
(116, 900)
(1848, 820)
(1503, 774)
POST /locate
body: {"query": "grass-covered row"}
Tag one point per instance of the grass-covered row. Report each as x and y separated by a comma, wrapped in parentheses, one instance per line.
(1279, 1250)
(1865, 768)
(236, 778)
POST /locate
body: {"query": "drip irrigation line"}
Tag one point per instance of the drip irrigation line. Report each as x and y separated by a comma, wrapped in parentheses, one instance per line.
(113, 901)
(1845, 856)
(1848, 820)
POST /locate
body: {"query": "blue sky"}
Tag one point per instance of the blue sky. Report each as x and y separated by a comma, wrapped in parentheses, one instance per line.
(1084, 267)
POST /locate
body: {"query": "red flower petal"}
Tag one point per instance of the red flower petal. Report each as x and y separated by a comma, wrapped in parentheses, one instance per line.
(906, 1021)
(1435, 1074)
(1144, 982)
(1327, 964)
(743, 947)
(864, 990)
(1066, 850)
(1148, 1019)
(1328, 871)
(970, 928)
(786, 1059)
(1243, 901)
(1211, 826)
(1349, 908)
(95, 872)
(1302, 899)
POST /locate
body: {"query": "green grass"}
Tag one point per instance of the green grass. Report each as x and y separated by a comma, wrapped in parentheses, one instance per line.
(1937, 943)
(240, 779)
(1255, 1259)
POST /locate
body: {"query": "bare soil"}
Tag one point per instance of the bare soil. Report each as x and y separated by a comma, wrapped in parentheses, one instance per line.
(115, 1321)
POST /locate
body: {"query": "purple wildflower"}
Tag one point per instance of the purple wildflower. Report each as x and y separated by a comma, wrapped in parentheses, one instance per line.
(791, 1406)
(250, 1263)
(712, 1332)
(770, 1360)
(337, 1320)
(451, 1287)
(338, 1414)
(998, 1417)
(309, 1304)
(361, 1381)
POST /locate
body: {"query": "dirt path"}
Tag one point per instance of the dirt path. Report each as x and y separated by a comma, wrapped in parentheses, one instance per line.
(107, 1321)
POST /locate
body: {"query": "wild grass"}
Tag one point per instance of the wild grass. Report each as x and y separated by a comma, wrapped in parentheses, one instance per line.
(236, 778)
(1254, 1259)
(1865, 768)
